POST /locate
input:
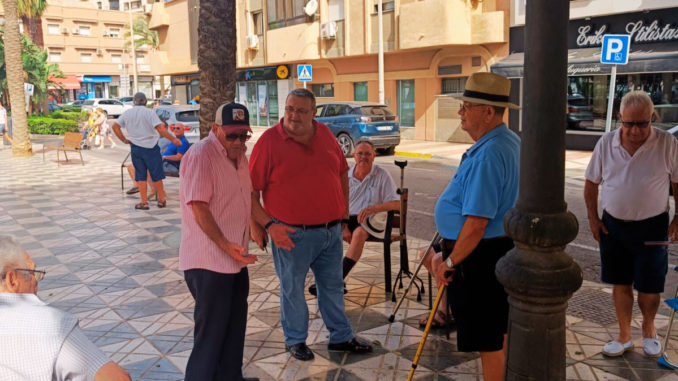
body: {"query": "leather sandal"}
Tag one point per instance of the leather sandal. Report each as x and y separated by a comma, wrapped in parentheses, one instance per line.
(162, 204)
(353, 346)
(142, 206)
(440, 320)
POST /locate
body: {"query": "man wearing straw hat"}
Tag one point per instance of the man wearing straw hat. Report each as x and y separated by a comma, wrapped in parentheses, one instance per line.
(469, 216)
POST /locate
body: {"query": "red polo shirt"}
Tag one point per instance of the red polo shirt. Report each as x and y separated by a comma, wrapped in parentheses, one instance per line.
(301, 185)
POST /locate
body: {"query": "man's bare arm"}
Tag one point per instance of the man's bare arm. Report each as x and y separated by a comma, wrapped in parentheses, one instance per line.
(118, 133)
(591, 201)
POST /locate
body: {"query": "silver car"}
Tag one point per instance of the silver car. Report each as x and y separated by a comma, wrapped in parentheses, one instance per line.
(188, 115)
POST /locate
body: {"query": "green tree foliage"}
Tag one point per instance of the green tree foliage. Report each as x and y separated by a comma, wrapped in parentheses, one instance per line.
(142, 35)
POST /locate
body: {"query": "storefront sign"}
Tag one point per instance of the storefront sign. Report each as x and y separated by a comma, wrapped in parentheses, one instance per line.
(583, 69)
(282, 71)
(96, 78)
(184, 79)
(656, 26)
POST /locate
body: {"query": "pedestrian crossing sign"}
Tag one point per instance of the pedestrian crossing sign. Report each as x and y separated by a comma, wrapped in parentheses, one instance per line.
(304, 73)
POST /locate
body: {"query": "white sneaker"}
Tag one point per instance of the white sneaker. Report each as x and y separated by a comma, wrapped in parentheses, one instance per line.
(615, 348)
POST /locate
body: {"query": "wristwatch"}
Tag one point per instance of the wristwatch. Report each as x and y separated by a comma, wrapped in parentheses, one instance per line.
(449, 262)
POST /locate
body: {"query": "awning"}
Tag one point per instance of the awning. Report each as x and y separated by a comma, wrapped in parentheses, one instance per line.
(69, 83)
(648, 58)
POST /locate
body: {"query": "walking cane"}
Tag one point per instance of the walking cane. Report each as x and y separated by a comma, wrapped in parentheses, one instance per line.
(431, 316)
(435, 239)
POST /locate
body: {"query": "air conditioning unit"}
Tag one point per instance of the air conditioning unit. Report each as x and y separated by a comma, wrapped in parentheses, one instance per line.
(119, 66)
(328, 30)
(75, 31)
(64, 30)
(253, 42)
(100, 52)
(148, 8)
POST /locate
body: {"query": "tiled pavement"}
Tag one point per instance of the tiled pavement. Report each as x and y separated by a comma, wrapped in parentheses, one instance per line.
(117, 270)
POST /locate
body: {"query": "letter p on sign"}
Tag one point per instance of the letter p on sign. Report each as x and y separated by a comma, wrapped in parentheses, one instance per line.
(615, 49)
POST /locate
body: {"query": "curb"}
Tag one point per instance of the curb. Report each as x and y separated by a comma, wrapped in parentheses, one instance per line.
(414, 154)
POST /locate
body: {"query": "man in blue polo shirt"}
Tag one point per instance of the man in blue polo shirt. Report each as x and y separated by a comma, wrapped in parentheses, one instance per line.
(171, 158)
(469, 216)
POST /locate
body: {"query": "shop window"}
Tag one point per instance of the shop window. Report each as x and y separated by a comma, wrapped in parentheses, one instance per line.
(453, 85)
(360, 91)
(55, 56)
(85, 57)
(323, 90)
(53, 29)
(283, 13)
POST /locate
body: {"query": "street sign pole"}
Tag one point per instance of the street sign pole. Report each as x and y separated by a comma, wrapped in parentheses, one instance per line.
(610, 99)
(615, 51)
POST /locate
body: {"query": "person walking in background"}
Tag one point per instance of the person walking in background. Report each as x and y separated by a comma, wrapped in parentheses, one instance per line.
(143, 126)
(215, 193)
(299, 168)
(4, 125)
(634, 166)
(101, 122)
(40, 342)
(469, 215)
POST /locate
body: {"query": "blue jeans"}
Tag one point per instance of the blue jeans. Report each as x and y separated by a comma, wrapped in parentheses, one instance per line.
(320, 250)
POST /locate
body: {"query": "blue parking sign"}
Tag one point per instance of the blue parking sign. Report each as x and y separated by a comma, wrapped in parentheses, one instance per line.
(615, 49)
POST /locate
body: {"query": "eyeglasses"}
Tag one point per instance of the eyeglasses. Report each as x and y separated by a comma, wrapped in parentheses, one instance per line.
(465, 107)
(38, 274)
(177, 128)
(292, 110)
(639, 123)
(243, 137)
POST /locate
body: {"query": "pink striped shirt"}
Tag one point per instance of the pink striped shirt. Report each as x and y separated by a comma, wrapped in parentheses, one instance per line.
(208, 175)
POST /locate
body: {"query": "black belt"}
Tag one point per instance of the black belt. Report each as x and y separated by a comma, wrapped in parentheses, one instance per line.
(326, 225)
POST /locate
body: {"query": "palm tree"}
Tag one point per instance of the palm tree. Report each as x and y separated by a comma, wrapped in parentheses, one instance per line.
(216, 58)
(31, 12)
(15, 80)
(142, 35)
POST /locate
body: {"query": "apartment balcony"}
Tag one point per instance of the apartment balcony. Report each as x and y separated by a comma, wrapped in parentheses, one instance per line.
(448, 23)
(389, 26)
(159, 17)
(293, 43)
(333, 38)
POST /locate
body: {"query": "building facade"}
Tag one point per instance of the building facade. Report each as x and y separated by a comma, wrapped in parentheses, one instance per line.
(430, 46)
(652, 65)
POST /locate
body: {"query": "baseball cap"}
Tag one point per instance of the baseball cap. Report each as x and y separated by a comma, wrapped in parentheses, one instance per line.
(233, 115)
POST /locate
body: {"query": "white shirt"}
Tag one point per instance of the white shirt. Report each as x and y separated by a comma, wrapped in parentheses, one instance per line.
(140, 123)
(634, 187)
(42, 343)
(376, 188)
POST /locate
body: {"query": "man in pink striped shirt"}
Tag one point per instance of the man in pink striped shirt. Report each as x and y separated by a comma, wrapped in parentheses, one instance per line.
(215, 194)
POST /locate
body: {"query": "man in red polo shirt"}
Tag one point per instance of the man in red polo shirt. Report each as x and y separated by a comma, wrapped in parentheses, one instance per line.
(301, 172)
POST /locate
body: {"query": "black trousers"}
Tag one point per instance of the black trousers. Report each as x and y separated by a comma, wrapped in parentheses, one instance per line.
(220, 321)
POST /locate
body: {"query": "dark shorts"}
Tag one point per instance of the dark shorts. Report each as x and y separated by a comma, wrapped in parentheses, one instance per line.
(147, 159)
(624, 257)
(353, 224)
(478, 301)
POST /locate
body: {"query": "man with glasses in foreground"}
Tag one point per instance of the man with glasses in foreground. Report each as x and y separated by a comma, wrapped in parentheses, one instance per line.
(40, 342)
(634, 165)
(469, 215)
(299, 168)
(215, 195)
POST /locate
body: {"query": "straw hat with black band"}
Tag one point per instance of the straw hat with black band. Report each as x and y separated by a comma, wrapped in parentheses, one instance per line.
(489, 89)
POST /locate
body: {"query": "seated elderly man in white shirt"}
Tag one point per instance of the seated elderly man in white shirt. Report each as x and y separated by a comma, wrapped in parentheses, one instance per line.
(40, 342)
(370, 190)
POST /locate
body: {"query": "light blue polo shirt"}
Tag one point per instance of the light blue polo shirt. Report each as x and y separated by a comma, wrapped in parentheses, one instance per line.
(485, 185)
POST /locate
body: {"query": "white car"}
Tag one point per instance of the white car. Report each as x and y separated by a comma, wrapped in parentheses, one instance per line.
(112, 107)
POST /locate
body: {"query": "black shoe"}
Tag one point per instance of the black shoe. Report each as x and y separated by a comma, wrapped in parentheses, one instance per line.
(300, 351)
(250, 379)
(314, 291)
(133, 190)
(352, 345)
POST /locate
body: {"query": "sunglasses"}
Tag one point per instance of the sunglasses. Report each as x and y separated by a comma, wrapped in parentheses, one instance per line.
(243, 137)
(640, 123)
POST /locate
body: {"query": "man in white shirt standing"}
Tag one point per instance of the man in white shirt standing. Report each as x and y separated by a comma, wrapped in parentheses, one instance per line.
(4, 126)
(633, 167)
(40, 342)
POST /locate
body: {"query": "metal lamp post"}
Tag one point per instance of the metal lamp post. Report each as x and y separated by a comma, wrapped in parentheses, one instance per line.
(538, 275)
